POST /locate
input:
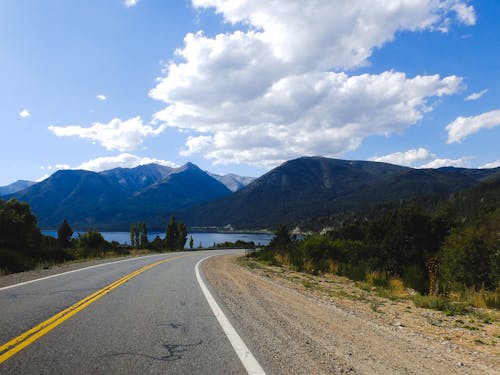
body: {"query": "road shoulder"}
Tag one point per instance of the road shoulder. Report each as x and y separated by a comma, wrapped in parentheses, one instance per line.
(293, 329)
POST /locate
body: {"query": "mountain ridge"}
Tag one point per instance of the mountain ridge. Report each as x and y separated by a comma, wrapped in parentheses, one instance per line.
(298, 192)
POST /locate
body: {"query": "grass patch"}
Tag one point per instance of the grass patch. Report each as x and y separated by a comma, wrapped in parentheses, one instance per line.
(444, 304)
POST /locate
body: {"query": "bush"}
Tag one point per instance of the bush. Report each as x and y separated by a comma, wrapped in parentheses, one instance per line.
(470, 257)
(91, 244)
(12, 261)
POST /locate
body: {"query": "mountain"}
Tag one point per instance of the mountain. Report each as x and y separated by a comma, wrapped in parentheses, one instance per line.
(307, 192)
(233, 182)
(302, 190)
(15, 187)
(113, 199)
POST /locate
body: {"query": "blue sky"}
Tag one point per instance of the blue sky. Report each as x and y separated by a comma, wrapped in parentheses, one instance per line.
(239, 87)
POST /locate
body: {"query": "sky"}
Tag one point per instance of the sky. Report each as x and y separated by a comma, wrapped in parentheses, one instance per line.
(241, 86)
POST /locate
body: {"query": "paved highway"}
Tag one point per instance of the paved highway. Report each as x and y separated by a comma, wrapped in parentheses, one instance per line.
(154, 322)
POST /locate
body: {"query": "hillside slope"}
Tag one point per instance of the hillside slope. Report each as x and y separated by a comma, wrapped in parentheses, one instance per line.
(303, 189)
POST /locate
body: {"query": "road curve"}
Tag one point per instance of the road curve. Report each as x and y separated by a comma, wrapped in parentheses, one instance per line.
(156, 322)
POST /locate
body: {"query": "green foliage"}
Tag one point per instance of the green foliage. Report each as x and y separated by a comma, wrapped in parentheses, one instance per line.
(12, 261)
(282, 240)
(132, 235)
(191, 242)
(441, 303)
(143, 240)
(176, 235)
(92, 243)
(470, 256)
(172, 235)
(65, 234)
(18, 227)
(182, 230)
(139, 235)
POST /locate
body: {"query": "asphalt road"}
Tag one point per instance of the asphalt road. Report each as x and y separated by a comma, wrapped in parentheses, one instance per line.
(158, 322)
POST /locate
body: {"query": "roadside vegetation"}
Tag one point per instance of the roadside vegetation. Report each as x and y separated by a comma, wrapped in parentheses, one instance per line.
(436, 260)
(23, 247)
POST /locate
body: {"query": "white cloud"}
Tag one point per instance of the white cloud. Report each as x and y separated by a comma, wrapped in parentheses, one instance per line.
(101, 97)
(439, 163)
(116, 135)
(124, 160)
(24, 113)
(407, 158)
(130, 3)
(494, 164)
(462, 127)
(271, 91)
(340, 34)
(476, 95)
(465, 13)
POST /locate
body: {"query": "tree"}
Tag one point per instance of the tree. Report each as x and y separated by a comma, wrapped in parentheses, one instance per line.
(132, 235)
(191, 242)
(144, 236)
(281, 240)
(137, 235)
(18, 226)
(65, 234)
(471, 256)
(172, 235)
(182, 236)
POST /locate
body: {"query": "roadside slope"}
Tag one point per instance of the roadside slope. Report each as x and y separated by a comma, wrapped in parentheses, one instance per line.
(295, 333)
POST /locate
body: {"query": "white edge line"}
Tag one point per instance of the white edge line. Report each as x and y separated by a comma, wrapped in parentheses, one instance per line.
(77, 270)
(246, 357)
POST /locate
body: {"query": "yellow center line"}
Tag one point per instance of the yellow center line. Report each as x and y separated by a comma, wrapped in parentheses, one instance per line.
(20, 342)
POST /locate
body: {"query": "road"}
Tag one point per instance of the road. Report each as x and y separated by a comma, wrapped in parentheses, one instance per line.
(157, 322)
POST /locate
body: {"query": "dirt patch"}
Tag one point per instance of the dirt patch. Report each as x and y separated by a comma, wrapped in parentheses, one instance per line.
(301, 324)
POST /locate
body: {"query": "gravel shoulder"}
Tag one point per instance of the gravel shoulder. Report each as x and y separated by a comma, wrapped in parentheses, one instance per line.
(304, 324)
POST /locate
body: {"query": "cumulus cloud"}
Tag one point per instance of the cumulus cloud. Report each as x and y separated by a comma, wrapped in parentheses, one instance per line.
(116, 135)
(124, 160)
(462, 127)
(476, 95)
(270, 91)
(493, 164)
(439, 163)
(130, 3)
(407, 158)
(24, 113)
(101, 97)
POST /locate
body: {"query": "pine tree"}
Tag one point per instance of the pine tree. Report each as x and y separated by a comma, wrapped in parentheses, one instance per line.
(64, 234)
(172, 235)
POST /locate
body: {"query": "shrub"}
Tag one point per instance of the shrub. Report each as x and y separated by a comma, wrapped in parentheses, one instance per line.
(12, 261)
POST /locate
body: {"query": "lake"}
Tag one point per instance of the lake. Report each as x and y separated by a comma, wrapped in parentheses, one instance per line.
(199, 239)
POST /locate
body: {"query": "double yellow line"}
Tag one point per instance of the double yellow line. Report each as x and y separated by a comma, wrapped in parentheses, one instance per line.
(20, 342)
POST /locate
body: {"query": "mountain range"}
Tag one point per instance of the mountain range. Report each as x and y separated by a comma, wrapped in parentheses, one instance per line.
(310, 189)
(15, 187)
(297, 192)
(115, 198)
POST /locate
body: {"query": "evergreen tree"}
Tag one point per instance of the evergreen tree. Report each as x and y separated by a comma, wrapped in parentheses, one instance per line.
(191, 243)
(64, 234)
